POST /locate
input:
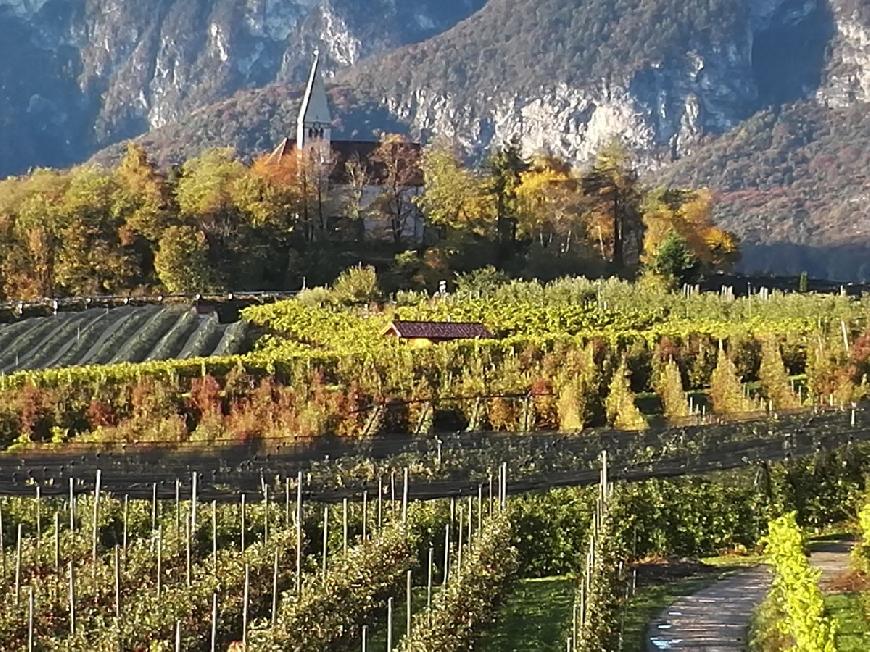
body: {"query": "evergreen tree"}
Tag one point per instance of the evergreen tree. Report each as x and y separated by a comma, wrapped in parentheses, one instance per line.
(674, 262)
(622, 411)
(668, 384)
(615, 193)
(774, 377)
(505, 167)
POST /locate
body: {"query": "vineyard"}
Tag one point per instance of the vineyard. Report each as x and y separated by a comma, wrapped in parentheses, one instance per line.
(101, 336)
(278, 569)
(332, 489)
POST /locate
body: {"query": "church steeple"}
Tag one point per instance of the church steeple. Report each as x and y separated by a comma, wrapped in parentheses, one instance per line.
(314, 123)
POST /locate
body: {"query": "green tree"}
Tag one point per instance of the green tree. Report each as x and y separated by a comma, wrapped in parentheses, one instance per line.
(674, 262)
(614, 192)
(356, 285)
(182, 261)
(505, 167)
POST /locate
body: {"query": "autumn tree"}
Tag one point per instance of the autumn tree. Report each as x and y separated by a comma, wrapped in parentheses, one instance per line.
(143, 197)
(622, 411)
(685, 217)
(454, 197)
(209, 198)
(182, 261)
(359, 177)
(316, 165)
(271, 194)
(398, 165)
(92, 258)
(31, 208)
(549, 205)
(206, 193)
(774, 378)
(614, 194)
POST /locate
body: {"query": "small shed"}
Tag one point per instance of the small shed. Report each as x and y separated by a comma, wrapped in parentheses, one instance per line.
(433, 332)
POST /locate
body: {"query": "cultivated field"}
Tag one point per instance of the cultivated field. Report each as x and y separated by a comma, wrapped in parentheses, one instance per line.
(124, 334)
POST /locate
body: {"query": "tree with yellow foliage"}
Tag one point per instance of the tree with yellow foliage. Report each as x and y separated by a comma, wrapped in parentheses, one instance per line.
(550, 205)
(686, 216)
(455, 197)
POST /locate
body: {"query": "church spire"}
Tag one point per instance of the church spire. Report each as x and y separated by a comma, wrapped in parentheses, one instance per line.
(314, 123)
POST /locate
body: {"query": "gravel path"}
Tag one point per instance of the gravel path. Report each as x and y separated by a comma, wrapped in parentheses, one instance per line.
(717, 617)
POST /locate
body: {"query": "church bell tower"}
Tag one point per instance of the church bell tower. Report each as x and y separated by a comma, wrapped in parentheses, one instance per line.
(314, 124)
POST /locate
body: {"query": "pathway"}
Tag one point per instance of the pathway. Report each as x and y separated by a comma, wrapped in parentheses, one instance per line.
(716, 618)
(712, 619)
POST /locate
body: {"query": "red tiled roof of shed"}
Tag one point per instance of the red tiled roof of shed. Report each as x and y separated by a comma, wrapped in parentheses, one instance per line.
(439, 330)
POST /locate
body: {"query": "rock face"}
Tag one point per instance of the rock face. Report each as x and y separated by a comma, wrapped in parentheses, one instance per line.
(76, 75)
(766, 52)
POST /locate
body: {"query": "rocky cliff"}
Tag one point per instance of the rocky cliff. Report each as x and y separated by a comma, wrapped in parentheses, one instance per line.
(661, 74)
(76, 75)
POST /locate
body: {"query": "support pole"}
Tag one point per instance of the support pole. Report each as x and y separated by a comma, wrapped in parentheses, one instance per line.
(56, 542)
(325, 539)
(245, 608)
(18, 566)
(390, 625)
(72, 600)
(299, 533)
(96, 518)
(213, 622)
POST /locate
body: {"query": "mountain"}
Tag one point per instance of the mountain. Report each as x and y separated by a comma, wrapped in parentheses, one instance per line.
(704, 91)
(794, 182)
(78, 75)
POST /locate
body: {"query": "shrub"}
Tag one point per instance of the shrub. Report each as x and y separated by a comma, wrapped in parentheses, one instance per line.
(726, 390)
(774, 378)
(356, 285)
(796, 594)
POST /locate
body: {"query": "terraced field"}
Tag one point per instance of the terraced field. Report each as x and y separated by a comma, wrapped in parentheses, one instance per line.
(125, 334)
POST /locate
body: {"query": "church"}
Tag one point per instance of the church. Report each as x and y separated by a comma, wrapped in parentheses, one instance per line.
(368, 170)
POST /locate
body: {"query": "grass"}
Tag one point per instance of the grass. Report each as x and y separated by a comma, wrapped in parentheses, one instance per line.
(534, 618)
(853, 628)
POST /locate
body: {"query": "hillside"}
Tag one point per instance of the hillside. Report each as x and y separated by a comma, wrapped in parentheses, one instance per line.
(76, 76)
(671, 78)
(793, 182)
